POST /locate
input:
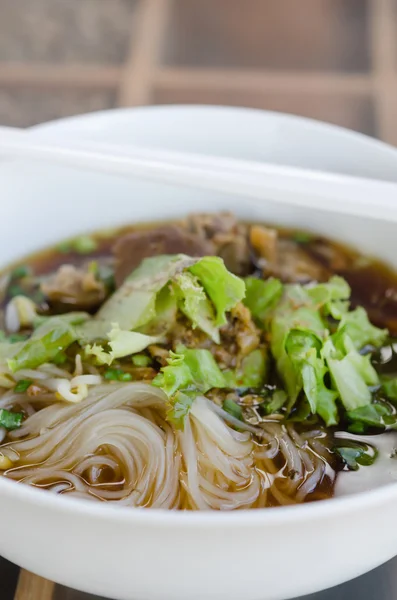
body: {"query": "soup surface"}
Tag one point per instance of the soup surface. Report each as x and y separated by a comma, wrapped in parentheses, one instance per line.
(201, 364)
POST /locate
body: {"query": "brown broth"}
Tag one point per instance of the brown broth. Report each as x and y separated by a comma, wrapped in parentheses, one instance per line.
(373, 283)
(374, 286)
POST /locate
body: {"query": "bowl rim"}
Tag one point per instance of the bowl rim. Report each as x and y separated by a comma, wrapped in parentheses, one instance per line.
(100, 116)
(273, 516)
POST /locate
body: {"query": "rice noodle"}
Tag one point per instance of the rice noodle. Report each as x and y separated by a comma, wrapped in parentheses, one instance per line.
(311, 482)
(54, 445)
(209, 447)
(115, 445)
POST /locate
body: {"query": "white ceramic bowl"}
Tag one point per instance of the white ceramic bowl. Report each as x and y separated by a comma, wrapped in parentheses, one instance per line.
(152, 555)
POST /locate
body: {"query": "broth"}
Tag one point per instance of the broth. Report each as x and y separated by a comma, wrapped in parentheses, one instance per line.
(373, 283)
(281, 457)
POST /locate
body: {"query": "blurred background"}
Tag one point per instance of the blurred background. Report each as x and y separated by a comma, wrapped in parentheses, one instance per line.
(334, 60)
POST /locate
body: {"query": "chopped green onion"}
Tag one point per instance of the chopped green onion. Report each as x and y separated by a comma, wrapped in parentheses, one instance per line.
(141, 360)
(22, 385)
(117, 375)
(125, 377)
(17, 337)
(300, 237)
(84, 244)
(355, 455)
(231, 407)
(16, 290)
(10, 420)
(21, 271)
(13, 338)
(64, 247)
(358, 427)
(112, 374)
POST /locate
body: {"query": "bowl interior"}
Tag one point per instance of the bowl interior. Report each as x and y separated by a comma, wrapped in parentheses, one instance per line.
(48, 204)
(61, 202)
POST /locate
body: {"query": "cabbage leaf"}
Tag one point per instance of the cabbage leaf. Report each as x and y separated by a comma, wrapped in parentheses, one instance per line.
(189, 372)
(261, 296)
(204, 288)
(315, 360)
(121, 343)
(134, 303)
(48, 340)
(251, 373)
(195, 304)
(224, 289)
(351, 372)
(303, 349)
(359, 329)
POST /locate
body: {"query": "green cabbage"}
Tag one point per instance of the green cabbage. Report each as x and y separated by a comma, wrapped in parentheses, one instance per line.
(296, 311)
(121, 343)
(195, 304)
(251, 373)
(351, 372)
(48, 340)
(134, 303)
(261, 296)
(224, 289)
(314, 363)
(204, 289)
(303, 350)
(189, 372)
(359, 329)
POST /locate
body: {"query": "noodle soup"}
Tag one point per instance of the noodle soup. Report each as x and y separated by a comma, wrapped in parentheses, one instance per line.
(202, 364)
